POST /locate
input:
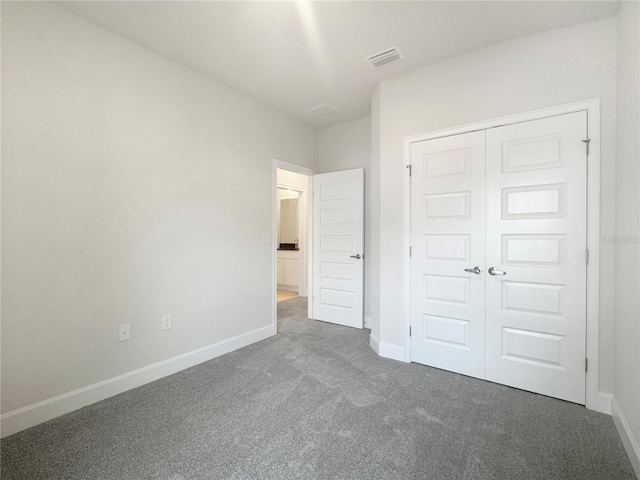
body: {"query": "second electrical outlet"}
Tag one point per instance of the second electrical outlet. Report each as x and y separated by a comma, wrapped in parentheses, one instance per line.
(166, 321)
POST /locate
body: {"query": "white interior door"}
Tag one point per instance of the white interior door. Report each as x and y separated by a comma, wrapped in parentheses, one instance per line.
(338, 247)
(447, 239)
(536, 234)
(521, 321)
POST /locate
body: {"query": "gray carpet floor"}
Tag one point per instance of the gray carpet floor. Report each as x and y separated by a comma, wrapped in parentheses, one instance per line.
(315, 402)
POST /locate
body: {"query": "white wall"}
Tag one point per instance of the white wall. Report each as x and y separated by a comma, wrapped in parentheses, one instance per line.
(131, 187)
(533, 72)
(343, 147)
(626, 409)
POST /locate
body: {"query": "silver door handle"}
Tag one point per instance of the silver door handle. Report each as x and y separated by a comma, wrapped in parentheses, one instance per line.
(493, 271)
(357, 257)
(476, 270)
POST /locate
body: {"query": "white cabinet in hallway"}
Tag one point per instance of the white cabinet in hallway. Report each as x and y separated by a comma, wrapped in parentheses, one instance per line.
(288, 272)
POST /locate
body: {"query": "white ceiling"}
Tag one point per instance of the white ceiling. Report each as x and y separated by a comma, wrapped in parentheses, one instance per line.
(295, 55)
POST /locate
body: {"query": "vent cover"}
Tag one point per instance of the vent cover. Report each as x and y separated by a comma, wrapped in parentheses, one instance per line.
(323, 109)
(385, 57)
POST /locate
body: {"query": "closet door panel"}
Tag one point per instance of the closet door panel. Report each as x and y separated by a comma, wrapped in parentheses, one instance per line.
(536, 234)
(447, 237)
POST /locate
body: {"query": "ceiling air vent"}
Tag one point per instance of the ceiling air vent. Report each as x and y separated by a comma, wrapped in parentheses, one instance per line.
(323, 109)
(385, 57)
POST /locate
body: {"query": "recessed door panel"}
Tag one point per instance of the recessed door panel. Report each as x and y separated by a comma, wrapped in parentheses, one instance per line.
(451, 331)
(336, 298)
(453, 248)
(451, 163)
(533, 250)
(336, 190)
(453, 206)
(337, 217)
(534, 201)
(447, 289)
(540, 349)
(337, 243)
(337, 271)
(532, 153)
(533, 298)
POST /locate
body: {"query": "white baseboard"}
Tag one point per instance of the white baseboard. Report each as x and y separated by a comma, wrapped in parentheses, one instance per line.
(387, 350)
(394, 352)
(628, 440)
(288, 289)
(31, 415)
(604, 403)
(374, 343)
(367, 322)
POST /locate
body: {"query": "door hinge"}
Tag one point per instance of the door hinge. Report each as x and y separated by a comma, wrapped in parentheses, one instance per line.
(409, 330)
(409, 167)
(586, 364)
(587, 141)
(586, 256)
(410, 251)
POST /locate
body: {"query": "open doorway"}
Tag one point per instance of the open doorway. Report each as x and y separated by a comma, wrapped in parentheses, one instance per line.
(291, 239)
(290, 236)
(325, 253)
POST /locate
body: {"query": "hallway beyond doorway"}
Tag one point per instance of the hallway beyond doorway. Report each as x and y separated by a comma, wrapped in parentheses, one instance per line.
(282, 295)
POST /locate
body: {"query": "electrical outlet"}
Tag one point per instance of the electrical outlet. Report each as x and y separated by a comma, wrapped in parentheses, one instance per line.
(166, 321)
(124, 332)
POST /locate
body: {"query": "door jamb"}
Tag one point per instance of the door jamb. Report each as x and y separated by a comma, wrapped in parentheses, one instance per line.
(594, 399)
(291, 167)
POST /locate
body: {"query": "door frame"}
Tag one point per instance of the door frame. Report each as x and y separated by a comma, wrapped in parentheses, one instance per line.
(594, 399)
(291, 167)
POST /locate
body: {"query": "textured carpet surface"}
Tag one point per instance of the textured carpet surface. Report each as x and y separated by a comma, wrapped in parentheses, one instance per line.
(315, 402)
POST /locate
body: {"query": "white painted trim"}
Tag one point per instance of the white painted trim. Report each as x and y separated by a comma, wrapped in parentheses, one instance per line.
(31, 415)
(604, 403)
(394, 352)
(310, 247)
(406, 209)
(288, 289)
(626, 435)
(387, 350)
(593, 244)
(367, 322)
(592, 107)
(291, 167)
(374, 343)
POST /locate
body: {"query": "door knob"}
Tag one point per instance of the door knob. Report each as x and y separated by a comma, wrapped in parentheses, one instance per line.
(357, 257)
(477, 270)
(493, 271)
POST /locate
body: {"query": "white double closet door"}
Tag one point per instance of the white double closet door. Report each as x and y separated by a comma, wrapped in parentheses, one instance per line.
(498, 267)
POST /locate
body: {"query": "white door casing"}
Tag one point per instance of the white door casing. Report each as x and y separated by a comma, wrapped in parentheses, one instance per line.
(447, 237)
(338, 247)
(535, 232)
